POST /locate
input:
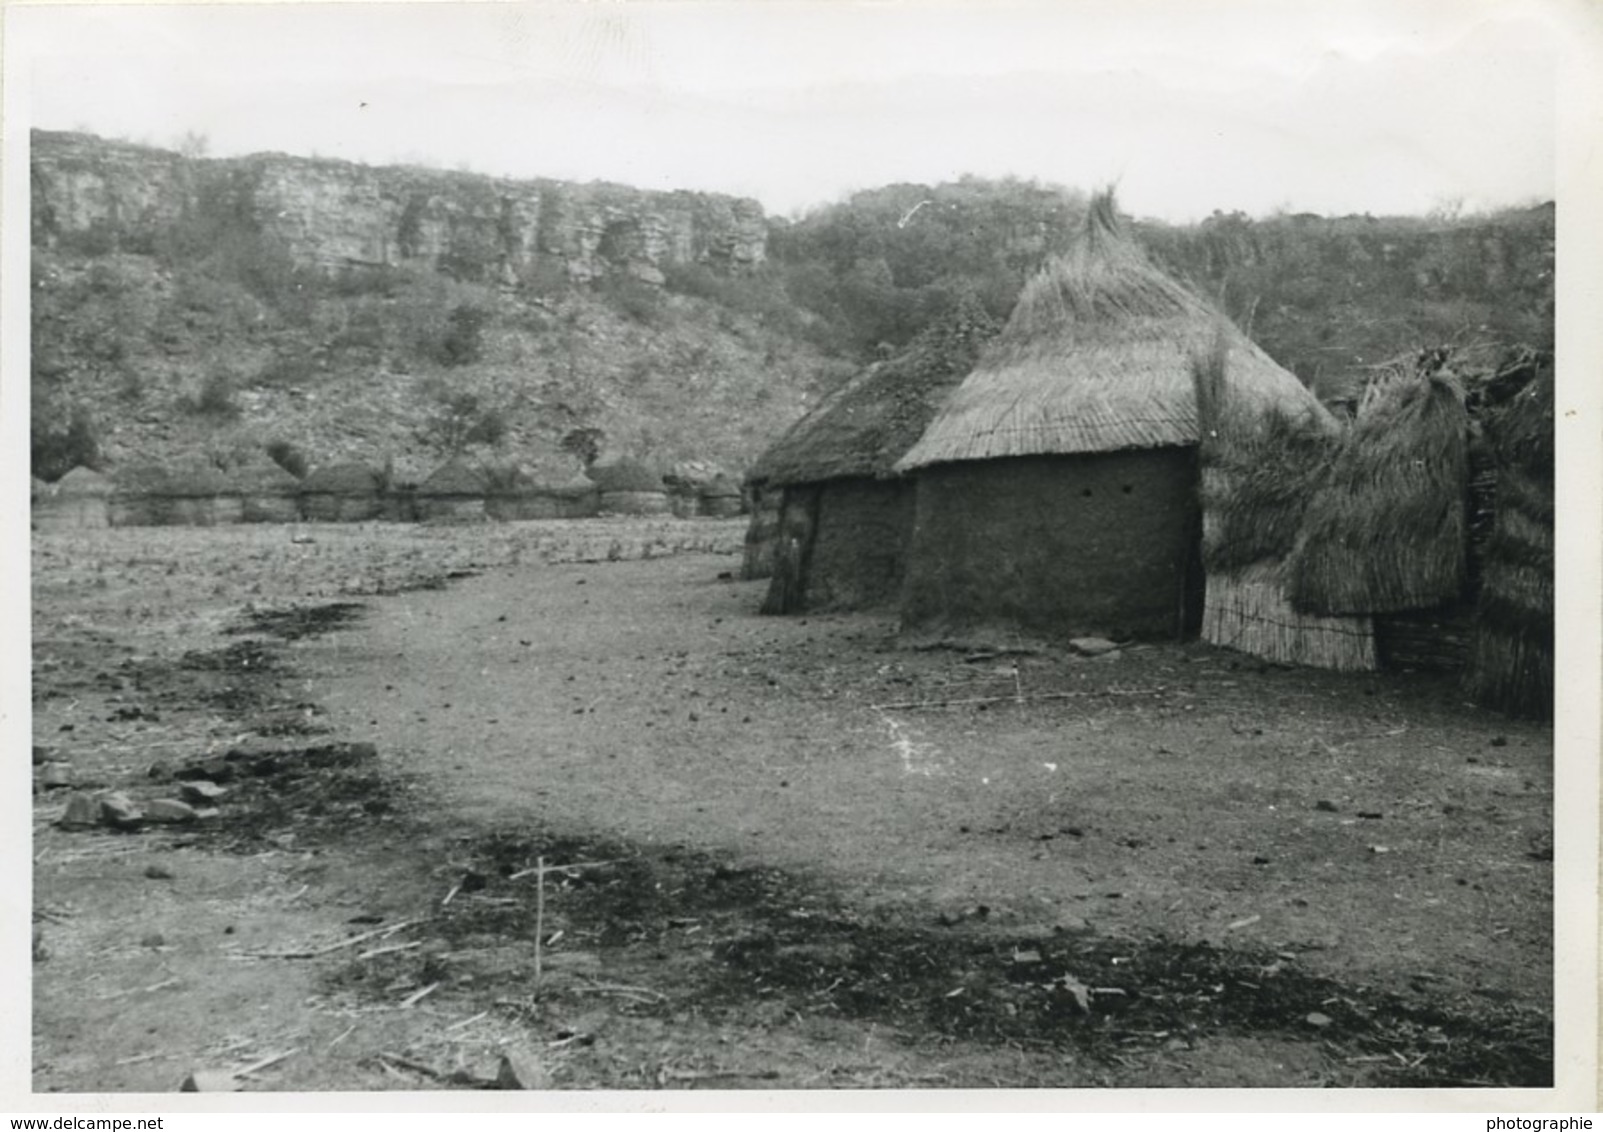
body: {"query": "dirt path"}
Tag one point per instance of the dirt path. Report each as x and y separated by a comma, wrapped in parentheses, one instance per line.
(1377, 830)
(1167, 867)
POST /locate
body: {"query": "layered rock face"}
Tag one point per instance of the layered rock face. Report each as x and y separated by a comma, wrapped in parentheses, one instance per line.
(337, 214)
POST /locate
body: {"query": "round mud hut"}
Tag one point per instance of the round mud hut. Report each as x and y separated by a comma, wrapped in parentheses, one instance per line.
(720, 498)
(845, 518)
(527, 495)
(79, 500)
(1057, 488)
(453, 493)
(264, 493)
(341, 493)
(628, 487)
(153, 495)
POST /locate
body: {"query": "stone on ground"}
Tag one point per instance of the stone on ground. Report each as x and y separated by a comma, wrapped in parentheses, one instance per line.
(210, 1081)
(201, 791)
(169, 810)
(81, 813)
(1092, 646)
(523, 1071)
(118, 810)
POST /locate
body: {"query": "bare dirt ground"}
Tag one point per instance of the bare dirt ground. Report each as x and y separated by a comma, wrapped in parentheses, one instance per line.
(787, 854)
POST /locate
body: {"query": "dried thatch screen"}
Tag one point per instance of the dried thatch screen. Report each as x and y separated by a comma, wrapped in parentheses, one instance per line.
(1511, 655)
(1258, 470)
(1387, 528)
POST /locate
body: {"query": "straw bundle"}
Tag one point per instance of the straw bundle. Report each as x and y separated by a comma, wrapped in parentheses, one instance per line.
(1386, 530)
(1097, 357)
(1511, 656)
(1257, 469)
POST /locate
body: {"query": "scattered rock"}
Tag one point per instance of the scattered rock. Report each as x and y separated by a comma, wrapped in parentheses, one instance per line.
(1327, 806)
(81, 813)
(152, 939)
(201, 791)
(118, 811)
(212, 770)
(169, 811)
(522, 1071)
(54, 776)
(1371, 815)
(158, 872)
(159, 771)
(1092, 646)
(1318, 1020)
(1114, 655)
(210, 1081)
(1500, 741)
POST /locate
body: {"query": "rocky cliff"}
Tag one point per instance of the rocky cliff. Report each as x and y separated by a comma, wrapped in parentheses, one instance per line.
(339, 215)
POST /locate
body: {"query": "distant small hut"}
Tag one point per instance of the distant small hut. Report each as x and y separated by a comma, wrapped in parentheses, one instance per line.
(525, 495)
(628, 487)
(341, 493)
(266, 493)
(720, 498)
(79, 500)
(1510, 665)
(684, 482)
(454, 493)
(153, 495)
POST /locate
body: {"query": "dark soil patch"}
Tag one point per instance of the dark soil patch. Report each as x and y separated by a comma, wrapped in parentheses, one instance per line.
(740, 937)
(300, 621)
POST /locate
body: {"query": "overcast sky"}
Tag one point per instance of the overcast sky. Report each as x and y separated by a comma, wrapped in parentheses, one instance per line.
(1331, 107)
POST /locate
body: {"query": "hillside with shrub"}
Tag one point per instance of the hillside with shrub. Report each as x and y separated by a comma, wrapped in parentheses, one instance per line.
(186, 308)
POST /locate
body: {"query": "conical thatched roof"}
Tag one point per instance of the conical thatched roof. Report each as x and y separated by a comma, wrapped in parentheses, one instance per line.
(865, 426)
(180, 481)
(625, 474)
(342, 479)
(1097, 358)
(455, 478)
(265, 478)
(720, 486)
(83, 481)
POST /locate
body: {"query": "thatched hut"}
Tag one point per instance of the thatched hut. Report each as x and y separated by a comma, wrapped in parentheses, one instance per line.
(1057, 487)
(153, 495)
(341, 493)
(527, 495)
(454, 492)
(720, 498)
(1510, 665)
(686, 483)
(845, 519)
(78, 500)
(628, 487)
(264, 493)
(1258, 468)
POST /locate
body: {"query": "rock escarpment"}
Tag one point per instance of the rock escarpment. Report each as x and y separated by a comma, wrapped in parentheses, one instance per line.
(340, 215)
